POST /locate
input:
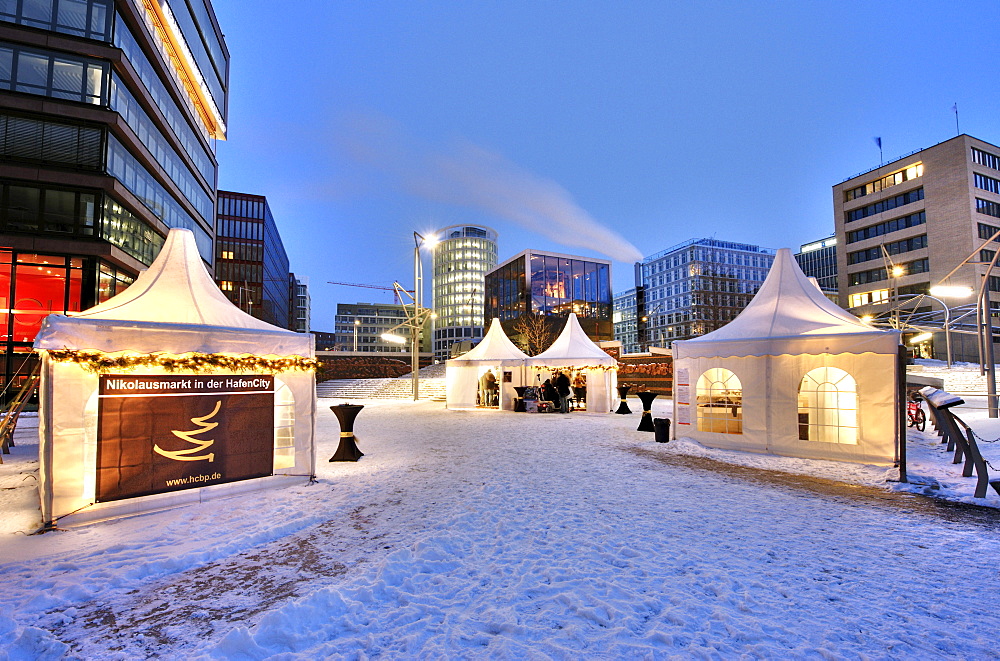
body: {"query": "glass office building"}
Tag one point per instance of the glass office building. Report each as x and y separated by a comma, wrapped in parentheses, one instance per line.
(251, 264)
(462, 256)
(552, 285)
(818, 259)
(109, 113)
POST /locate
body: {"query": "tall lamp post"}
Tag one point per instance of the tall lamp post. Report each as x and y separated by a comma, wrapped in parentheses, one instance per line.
(357, 322)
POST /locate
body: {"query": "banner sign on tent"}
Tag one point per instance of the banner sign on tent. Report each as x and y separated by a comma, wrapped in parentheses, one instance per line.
(160, 433)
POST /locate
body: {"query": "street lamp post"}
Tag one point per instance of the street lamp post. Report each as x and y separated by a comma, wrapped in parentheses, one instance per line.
(419, 318)
(357, 322)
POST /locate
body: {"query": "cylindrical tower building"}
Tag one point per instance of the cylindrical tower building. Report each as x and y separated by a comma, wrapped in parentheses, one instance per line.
(462, 256)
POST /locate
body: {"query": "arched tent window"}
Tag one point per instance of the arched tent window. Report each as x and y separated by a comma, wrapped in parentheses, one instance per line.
(284, 425)
(828, 406)
(720, 402)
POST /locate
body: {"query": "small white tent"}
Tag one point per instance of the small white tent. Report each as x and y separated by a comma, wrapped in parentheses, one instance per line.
(792, 375)
(573, 350)
(173, 333)
(495, 352)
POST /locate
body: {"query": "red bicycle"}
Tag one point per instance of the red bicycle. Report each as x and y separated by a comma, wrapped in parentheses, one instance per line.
(915, 415)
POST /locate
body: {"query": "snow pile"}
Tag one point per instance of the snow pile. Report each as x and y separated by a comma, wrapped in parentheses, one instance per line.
(479, 534)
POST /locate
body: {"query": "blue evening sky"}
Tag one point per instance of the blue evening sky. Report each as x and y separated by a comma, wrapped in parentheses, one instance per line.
(591, 128)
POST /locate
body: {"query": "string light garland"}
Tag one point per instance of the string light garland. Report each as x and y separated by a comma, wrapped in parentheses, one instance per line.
(97, 362)
(652, 369)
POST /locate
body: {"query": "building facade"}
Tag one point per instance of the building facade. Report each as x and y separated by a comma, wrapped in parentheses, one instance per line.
(358, 327)
(625, 317)
(551, 285)
(907, 225)
(696, 287)
(300, 314)
(462, 256)
(818, 259)
(109, 113)
(251, 264)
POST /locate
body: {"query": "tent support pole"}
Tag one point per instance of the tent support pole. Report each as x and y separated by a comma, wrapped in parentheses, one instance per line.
(901, 411)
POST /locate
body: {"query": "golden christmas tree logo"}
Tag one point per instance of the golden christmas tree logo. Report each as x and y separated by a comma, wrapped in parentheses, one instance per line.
(189, 454)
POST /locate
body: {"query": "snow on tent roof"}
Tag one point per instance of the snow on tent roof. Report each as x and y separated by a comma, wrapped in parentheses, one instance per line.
(494, 346)
(573, 347)
(787, 311)
(173, 306)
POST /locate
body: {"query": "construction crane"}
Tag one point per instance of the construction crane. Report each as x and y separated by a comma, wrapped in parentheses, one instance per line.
(356, 284)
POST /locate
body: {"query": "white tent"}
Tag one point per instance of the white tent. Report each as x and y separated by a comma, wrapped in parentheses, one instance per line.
(792, 375)
(573, 350)
(495, 352)
(173, 324)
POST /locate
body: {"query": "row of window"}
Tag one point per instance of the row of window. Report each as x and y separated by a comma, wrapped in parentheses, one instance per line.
(987, 183)
(894, 248)
(885, 205)
(51, 143)
(125, 105)
(882, 295)
(988, 208)
(165, 102)
(887, 227)
(241, 206)
(896, 178)
(877, 275)
(987, 231)
(124, 167)
(827, 404)
(239, 229)
(48, 74)
(239, 273)
(239, 251)
(90, 19)
(985, 158)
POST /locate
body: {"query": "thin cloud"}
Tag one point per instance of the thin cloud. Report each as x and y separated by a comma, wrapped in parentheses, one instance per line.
(469, 176)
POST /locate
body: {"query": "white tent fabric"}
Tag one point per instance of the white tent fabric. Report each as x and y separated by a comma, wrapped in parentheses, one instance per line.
(573, 349)
(788, 330)
(173, 307)
(495, 352)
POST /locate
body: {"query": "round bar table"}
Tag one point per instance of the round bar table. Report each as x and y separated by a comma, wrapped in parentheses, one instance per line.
(623, 405)
(646, 423)
(348, 448)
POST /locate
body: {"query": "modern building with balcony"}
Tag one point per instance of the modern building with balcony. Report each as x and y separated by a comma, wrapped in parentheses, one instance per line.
(109, 115)
(251, 264)
(912, 223)
(551, 285)
(462, 256)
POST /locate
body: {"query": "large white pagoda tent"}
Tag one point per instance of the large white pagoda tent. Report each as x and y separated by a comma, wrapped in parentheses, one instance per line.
(496, 353)
(793, 375)
(173, 321)
(574, 351)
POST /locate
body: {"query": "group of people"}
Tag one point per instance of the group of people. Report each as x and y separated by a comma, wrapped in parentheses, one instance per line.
(559, 390)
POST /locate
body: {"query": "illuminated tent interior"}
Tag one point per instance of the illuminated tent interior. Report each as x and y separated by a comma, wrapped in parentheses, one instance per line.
(496, 353)
(574, 351)
(792, 375)
(172, 311)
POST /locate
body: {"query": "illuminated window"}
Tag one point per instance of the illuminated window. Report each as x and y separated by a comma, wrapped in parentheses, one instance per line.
(227, 254)
(720, 402)
(828, 406)
(906, 174)
(865, 298)
(226, 285)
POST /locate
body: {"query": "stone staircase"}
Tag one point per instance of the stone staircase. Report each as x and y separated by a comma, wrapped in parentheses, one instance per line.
(350, 388)
(959, 379)
(432, 387)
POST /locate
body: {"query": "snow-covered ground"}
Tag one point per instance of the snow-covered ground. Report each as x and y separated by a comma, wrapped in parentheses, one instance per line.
(480, 534)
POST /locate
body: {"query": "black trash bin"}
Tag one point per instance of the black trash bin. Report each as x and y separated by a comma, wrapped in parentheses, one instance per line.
(661, 430)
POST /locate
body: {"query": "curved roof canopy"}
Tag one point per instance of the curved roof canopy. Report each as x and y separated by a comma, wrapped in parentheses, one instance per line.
(494, 348)
(173, 306)
(789, 315)
(573, 348)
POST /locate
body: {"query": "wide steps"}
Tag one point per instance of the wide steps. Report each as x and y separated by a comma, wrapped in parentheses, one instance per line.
(432, 388)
